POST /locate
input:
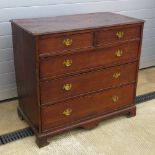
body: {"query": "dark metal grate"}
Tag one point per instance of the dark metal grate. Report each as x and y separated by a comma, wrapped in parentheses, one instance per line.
(145, 97)
(13, 136)
(1, 142)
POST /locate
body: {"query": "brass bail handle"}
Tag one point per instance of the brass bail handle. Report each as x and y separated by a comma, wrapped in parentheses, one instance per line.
(67, 63)
(67, 112)
(119, 53)
(116, 75)
(120, 35)
(115, 99)
(67, 87)
(67, 42)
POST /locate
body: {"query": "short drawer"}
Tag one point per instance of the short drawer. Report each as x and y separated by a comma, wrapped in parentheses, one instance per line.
(61, 89)
(60, 65)
(115, 35)
(88, 106)
(59, 44)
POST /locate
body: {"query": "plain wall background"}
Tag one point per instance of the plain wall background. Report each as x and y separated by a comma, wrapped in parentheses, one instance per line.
(14, 9)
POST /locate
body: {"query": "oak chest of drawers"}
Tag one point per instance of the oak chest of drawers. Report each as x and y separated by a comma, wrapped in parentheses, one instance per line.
(74, 71)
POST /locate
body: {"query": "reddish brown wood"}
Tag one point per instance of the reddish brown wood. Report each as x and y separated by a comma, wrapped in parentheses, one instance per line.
(39, 55)
(53, 66)
(20, 114)
(56, 44)
(25, 66)
(132, 112)
(108, 36)
(60, 24)
(42, 141)
(52, 91)
(91, 125)
(81, 124)
(87, 106)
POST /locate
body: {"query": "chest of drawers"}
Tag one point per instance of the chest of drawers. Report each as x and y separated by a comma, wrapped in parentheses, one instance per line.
(74, 71)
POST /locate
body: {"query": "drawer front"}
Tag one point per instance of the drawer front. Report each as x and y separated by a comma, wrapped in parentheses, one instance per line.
(59, 44)
(59, 65)
(87, 106)
(67, 87)
(117, 34)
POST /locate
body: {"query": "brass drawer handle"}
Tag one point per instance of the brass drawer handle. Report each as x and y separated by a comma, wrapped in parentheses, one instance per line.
(115, 99)
(67, 63)
(119, 53)
(67, 112)
(120, 35)
(67, 42)
(67, 87)
(116, 75)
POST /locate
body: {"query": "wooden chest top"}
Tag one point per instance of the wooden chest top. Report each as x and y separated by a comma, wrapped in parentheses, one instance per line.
(59, 24)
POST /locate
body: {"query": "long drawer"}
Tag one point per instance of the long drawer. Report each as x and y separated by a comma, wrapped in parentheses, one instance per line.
(60, 89)
(87, 106)
(60, 65)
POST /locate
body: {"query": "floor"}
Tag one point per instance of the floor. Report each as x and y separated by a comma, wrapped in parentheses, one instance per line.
(146, 81)
(118, 136)
(137, 137)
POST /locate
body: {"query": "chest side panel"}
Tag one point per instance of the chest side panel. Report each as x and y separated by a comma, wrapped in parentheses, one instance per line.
(26, 73)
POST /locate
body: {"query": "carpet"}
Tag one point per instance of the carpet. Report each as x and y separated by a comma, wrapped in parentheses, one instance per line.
(117, 136)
